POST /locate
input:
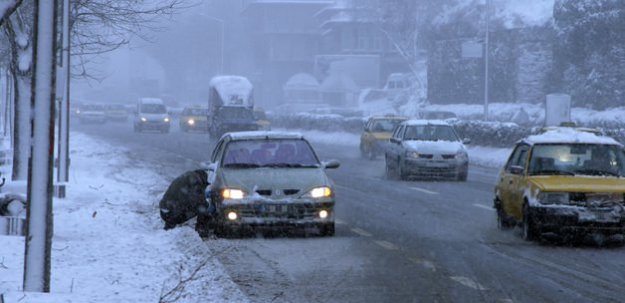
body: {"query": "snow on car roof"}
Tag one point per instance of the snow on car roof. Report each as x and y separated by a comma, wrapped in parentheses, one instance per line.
(425, 122)
(263, 135)
(569, 135)
(151, 100)
(232, 85)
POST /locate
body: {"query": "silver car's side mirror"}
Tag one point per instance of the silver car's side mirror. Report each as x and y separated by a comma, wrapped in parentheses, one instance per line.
(331, 164)
(207, 165)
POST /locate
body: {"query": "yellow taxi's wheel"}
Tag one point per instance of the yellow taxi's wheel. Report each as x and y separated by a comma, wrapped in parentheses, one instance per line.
(530, 231)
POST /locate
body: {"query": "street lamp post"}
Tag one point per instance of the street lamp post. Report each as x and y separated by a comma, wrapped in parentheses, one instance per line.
(486, 47)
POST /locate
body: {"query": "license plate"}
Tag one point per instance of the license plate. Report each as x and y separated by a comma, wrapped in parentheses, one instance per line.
(276, 209)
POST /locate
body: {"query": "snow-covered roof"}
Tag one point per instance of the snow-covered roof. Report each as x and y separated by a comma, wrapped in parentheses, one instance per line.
(302, 81)
(425, 122)
(569, 135)
(151, 100)
(250, 135)
(232, 85)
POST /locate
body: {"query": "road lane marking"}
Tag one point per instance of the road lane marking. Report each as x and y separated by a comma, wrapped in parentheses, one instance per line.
(482, 206)
(424, 190)
(468, 282)
(361, 232)
(425, 263)
(387, 245)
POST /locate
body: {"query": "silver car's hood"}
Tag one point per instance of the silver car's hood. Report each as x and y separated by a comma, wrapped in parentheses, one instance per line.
(250, 180)
(435, 147)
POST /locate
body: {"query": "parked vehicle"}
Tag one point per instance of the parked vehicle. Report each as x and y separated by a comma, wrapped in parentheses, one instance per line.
(230, 105)
(116, 112)
(268, 180)
(426, 148)
(194, 118)
(562, 182)
(262, 121)
(151, 114)
(92, 113)
(376, 134)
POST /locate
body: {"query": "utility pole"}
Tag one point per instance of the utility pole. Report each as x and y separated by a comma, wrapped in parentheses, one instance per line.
(63, 135)
(486, 47)
(38, 242)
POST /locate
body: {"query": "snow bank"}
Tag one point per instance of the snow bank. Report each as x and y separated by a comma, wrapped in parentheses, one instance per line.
(108, 243)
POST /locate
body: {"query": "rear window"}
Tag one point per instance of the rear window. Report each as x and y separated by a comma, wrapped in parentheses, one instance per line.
(153, 109)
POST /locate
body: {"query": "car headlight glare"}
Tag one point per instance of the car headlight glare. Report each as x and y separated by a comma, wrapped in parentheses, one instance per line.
(412, 154)
(233, 194)
(321, 192)
(191, 121)
(166, 119)
(144, 119)
(553, 198)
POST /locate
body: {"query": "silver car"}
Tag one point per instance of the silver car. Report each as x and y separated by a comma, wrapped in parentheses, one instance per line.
(426, 148)
(265, 180)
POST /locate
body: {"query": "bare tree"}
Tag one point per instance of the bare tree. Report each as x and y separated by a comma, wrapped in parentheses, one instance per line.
(97, 27)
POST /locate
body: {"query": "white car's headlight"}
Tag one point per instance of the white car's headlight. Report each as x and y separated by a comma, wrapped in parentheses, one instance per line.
(553, 198)
(144, 119)
(412, 154)
(166, 119)
(320, 192)
(233, 194)
(191, 121)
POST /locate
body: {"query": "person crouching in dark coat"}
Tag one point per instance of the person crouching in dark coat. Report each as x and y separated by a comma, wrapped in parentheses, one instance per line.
(183, 198)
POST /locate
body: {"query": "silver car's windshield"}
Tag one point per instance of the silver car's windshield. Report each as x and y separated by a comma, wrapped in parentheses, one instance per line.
(577, 159)
(269, 153)
(430, 133)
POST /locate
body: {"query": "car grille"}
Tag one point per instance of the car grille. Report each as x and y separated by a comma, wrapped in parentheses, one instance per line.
(426, 156)
(597, 199)
(449, 157)
(277, 193)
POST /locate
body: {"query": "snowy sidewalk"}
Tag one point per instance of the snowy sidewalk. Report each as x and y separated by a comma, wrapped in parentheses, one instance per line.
(109, 245)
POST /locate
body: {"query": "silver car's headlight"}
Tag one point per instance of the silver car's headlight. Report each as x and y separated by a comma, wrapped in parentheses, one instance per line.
(232, 194)
(319, 192)
(462, 155)
(412, 154)
(144, 119)
(553, 198)
(191, 121)
(166, 119)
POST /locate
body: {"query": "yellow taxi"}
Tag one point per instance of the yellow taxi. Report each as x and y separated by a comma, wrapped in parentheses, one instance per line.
(261, 119)
(194, 118)
(563, 182)
(376, 133)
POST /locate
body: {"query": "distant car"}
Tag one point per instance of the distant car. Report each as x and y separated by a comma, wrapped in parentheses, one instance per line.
(427, 148)
(436, 115)
(92, 113)
(194, 119)
(261, 119)
(116, 112)
(376, 133)
(263, 179)
(563, 181)
(151, 114)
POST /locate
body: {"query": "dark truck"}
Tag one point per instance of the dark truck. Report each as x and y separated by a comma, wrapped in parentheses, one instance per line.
(230, 105)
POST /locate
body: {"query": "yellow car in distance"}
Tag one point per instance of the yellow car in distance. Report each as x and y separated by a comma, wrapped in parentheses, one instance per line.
(194, 119)
(563, 182)
(261, 119)
(376, 133)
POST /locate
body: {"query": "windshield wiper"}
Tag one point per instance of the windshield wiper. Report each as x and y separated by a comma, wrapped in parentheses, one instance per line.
(596, 172)
(241, 165)
(552, 172)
